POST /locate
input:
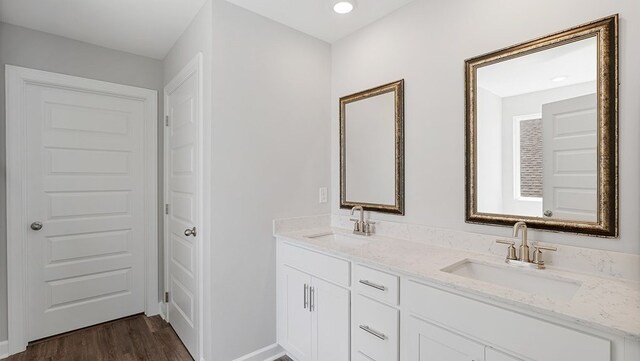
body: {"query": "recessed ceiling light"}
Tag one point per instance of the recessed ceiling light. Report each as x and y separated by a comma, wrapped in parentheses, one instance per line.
(559, 78)
(343, 7)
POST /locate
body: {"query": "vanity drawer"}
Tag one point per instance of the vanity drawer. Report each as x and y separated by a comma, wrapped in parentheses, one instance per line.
(374, 330)
(495, 326)
(377, 284)
(332, 269)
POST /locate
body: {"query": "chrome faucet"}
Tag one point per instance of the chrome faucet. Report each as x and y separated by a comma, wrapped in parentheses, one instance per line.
(524, 246)
(358, 208)
(361, 226)
(523, 258)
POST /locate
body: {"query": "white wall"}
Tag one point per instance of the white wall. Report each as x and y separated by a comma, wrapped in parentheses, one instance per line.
(33, 49)
(489, 152)
(426, 43)
(271, 130)
(197, 38)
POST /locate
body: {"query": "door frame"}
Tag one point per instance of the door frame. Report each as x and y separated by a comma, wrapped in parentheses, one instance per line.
(194, 66)
(17, 78)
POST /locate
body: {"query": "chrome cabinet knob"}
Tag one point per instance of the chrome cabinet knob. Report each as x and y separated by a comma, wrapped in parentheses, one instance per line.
(548, 213)
(36, 226)
(190, 232)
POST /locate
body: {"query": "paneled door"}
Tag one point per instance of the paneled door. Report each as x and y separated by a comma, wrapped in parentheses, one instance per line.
(183, 195)
(84, 171)
(570, 158)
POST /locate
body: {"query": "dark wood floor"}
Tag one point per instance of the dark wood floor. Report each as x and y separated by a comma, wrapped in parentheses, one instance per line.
(135, 338)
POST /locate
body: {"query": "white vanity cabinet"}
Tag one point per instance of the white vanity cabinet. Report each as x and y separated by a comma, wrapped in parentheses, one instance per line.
(313, 305)
(375, 317)
(331, 308)
(330, 322)
(295, 316)
(427, 342)
(486, 327)
(493, 355)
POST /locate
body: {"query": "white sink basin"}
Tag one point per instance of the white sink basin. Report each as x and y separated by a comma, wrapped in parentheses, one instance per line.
(341, 239)
(530, 281)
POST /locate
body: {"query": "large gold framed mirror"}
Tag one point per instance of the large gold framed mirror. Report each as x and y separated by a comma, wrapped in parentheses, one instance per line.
(372, 149)
(542, 132)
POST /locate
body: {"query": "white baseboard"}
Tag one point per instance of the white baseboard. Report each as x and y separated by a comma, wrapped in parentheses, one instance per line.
(161, 310)
(4, 349)
(269, 353)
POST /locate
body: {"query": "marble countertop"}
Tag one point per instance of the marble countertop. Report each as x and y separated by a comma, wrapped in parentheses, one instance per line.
(607, 304)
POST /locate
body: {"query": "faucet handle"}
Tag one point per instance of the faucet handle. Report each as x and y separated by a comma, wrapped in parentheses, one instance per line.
(511, 251)
(537, 254)
(504, 241)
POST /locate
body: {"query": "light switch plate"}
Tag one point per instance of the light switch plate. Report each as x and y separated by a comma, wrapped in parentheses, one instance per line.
(323, 195)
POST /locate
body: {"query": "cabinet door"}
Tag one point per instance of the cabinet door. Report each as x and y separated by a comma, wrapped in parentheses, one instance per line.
(331, 321)
(294, 313)
(427, 342)
(493, 355)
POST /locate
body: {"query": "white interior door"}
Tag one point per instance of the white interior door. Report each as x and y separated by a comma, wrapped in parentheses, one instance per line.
(183, 195)
(570, 158)
(85, 197)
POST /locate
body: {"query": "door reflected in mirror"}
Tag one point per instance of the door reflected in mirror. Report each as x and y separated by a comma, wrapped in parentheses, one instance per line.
(537, 134)
(372, 149)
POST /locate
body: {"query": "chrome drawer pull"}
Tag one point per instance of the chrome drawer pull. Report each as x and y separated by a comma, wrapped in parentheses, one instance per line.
(306, 303)
(379, 335)
(371, 284)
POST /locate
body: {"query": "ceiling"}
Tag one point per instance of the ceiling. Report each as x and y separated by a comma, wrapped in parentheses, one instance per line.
(576, 62)
(317, 18)
(143, 27)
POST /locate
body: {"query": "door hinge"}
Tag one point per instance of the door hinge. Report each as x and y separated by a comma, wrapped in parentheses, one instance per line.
(166, 297)
(166, 120)
(166, 208)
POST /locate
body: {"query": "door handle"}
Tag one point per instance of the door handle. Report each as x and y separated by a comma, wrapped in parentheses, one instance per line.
(548, 213)
(36, 226)
(190, 232)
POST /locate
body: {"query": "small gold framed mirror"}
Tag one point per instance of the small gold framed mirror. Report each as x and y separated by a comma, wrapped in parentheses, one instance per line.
(372, 149)
(542, 132)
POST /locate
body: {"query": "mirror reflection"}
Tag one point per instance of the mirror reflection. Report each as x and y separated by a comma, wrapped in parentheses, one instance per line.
(371, 126)
(370, 150)
(537, 139)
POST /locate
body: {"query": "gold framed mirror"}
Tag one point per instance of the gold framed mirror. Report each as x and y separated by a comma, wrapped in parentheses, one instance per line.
(372, 149)
(541, 132)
